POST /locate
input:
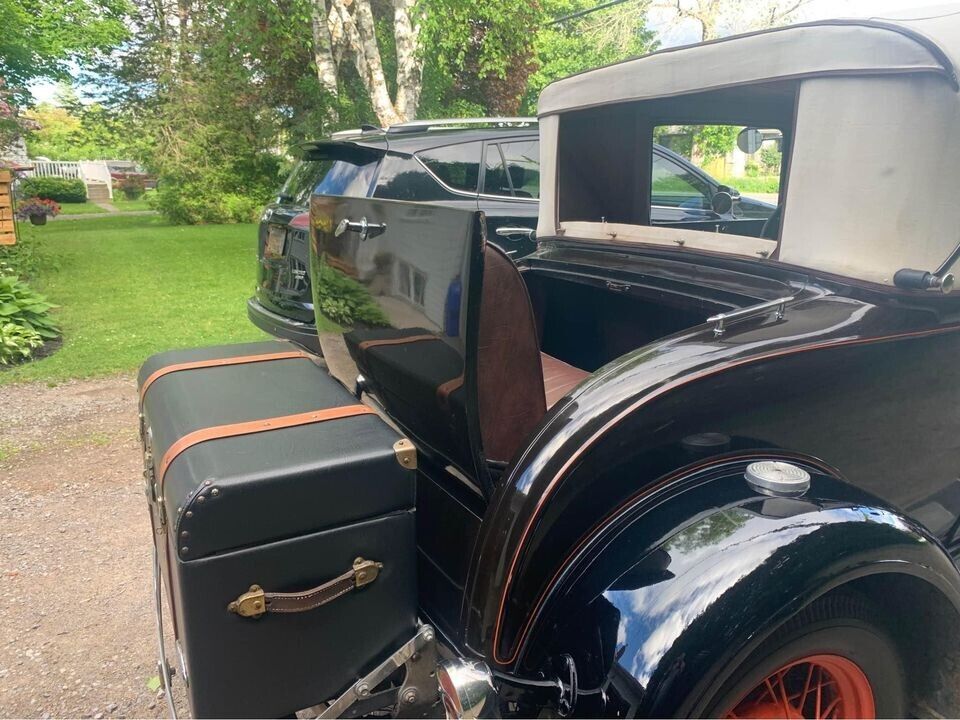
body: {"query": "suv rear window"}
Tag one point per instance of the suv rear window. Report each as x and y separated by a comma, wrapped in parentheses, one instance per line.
(303, 178)
(346, 176)
(457, 166)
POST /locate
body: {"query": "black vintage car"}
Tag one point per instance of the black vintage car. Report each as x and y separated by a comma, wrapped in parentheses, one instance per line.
(701, 470)
(487, 164)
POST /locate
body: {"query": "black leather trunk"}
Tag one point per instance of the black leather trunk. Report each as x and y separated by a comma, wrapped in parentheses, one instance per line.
(286, 509)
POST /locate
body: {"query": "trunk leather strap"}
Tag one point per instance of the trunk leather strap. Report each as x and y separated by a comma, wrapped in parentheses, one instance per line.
(367, 344)
(254, 426)
(217, 362)
(255, 602)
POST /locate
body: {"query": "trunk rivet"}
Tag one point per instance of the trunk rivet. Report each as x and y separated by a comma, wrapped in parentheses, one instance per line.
(189, 513)
(184, 534)
(215, 492)
(184, 549)
(410, 696)
(201, 498)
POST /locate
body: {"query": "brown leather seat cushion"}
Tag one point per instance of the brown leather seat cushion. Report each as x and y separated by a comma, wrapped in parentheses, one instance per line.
(558, 377)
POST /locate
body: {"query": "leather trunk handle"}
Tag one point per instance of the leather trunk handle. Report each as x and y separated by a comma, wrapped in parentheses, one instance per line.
(255, 602)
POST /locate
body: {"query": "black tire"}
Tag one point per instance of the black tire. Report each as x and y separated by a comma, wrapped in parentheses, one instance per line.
(839, 624)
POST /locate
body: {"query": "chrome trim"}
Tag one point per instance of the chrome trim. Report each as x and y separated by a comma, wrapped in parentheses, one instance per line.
(415, 125)
(475, 195)
(777, 478)
(467, 689)
(720, 321)
(166, 677)
(515, 233)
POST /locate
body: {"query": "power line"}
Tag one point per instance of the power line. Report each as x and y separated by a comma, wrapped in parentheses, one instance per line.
(581, 13)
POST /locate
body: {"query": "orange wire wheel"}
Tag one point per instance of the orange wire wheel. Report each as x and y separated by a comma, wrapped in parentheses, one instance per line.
(816, 686)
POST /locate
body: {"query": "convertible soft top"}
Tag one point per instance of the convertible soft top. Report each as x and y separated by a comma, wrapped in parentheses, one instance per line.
(869, 111)
(829, 47)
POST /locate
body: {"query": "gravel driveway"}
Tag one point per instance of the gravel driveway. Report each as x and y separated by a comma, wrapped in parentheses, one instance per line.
(76, 628)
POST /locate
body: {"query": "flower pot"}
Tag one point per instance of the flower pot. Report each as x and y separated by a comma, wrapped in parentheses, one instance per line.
(38, 219)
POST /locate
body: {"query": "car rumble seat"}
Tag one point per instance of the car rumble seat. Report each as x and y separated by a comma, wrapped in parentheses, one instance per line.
(517, 383)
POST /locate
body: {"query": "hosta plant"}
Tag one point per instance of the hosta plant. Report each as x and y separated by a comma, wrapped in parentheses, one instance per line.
(17, 343)
(20, 305)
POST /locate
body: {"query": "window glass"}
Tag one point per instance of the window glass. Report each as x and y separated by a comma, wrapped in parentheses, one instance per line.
(458, 166)
(303, 178)
(523, 165)
(349, 178)
(403, 178)
(673, 185)
(693, 163)
(494, 176)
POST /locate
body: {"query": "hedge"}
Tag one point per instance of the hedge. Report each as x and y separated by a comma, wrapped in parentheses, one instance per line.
(53, 188)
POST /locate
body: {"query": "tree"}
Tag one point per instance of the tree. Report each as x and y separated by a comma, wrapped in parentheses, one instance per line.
(590, 41)
(41, 37)
(717, 18)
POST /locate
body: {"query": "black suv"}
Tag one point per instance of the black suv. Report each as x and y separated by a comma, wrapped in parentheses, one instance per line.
(489, 164)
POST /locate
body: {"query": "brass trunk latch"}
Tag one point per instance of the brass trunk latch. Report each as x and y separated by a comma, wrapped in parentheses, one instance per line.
(251, 604)
(365, 571)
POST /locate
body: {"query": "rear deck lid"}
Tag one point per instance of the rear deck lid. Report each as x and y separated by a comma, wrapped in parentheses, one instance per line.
(392, 286)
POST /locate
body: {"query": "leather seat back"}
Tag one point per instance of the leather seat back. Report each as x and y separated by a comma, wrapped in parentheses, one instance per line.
(510, 375)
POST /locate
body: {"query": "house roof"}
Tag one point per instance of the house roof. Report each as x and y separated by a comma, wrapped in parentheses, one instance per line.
(928, 42)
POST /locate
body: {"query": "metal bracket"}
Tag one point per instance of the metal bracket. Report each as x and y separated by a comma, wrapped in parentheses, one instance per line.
(406, 453)
(424, 640)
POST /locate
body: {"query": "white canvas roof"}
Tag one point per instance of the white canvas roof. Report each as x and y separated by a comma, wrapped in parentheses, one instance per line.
(830, 47)
(875, 162)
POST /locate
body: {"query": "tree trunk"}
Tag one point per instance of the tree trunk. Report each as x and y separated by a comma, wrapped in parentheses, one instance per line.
(409, 63)
(323, 56)
(358, 30)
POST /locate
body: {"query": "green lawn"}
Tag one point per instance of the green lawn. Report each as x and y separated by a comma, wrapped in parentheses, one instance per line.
(123, 205)
(132, 286)
(84, 208)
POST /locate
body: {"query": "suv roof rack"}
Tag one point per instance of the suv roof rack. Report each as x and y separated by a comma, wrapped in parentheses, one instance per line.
(449, 123)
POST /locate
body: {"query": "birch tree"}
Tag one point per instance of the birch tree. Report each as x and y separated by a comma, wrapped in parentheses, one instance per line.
(351, 24)
(717, 18)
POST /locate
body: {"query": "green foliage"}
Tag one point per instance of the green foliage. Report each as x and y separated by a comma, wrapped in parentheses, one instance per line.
(71, 130)
(580, 44)
(714, 141)
(770, 159)
(345, 301)
(41, 37)
(17, 343)
(20, 305)
(54, 188)
(24, 259)
(132, 185)
(754, 184)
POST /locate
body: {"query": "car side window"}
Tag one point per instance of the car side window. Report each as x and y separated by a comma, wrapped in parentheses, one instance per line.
(403, 178)
(494, 176)
(523, 167)
(457, 166)
(674, 186)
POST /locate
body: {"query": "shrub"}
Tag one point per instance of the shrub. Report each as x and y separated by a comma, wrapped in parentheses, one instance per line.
(133, 185)
(53, 188)
(17, 343)
(20, 305)
(189, 203)
(25, 258)
(37, 206)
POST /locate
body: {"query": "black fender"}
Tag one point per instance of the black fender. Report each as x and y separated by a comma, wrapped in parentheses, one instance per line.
(672, 596)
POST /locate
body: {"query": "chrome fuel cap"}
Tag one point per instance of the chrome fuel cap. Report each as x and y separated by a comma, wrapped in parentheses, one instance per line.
(775, 477)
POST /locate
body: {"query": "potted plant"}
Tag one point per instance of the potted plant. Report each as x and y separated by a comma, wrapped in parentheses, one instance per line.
(37, 210)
